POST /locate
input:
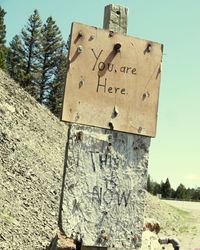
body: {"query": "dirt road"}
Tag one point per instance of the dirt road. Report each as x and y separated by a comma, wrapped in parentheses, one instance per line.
(189, 234)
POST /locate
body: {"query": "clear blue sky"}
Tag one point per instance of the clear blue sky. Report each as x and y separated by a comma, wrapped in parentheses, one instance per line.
(175, 152)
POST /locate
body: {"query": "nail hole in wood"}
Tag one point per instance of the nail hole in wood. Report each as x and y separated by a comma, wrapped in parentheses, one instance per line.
(118, 12)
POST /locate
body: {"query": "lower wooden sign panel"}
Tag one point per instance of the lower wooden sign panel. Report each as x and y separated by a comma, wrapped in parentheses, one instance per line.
(113, 81)
(104, 187)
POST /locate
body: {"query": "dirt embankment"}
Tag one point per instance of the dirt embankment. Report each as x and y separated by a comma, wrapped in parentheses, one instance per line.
(189, 228)
(179, 220)
(32, 145)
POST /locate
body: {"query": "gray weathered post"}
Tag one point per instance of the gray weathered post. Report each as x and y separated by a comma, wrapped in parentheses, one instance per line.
(105, 177)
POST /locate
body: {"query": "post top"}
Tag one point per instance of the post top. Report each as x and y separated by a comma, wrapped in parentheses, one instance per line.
(116, 18)
(116, 5)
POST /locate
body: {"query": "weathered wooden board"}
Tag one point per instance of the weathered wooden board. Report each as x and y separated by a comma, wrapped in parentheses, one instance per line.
(105, 183)
(109, 86)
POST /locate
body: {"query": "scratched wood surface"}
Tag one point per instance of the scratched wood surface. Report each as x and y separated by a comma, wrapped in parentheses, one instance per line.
(104, 179)
(105, 187)
(111, 87)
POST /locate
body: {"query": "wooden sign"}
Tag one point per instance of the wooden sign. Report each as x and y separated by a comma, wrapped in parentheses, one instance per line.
(105, 179)
(113, 81)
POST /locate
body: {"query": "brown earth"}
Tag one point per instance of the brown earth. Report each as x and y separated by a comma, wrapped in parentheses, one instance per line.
(32, 149)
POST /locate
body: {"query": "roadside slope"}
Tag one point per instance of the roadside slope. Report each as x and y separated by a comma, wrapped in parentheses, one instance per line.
(189, 234)
(178, 219)
(170, 218)
(32, 145)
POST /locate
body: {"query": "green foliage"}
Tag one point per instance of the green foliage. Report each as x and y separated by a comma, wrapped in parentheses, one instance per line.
(181, 192)
(57, 90)
(3, 50)
(195, 194)
(3, 55)
(2, 28)
(24, 53)
(153, 187)
(31, 67)
(164, 188)
(16, 62)
(37, 60)
(149, 185)
(51, 54)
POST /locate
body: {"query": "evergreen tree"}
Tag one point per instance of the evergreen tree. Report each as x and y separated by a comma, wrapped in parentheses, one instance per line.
(149, 185)
(57, 90)
(37, 60)
(2, 28)
(31, 37)
(16, 61)
(196, 194)
(173, 193)
(3, 50)
(181, 192)
(3, 59)
(52, 46)
(166, 189)
(156, 188)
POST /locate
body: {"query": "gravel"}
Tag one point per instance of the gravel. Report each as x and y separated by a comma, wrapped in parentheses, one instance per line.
(32, 145)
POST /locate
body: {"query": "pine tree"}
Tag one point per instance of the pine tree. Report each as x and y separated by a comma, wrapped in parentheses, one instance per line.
(31, 37)
(166, 189)
(3, 50)
(51, 59)
(16, 60)
(57, 91)
(196, 194)
(156, 188)
(181, 192)
(149, 185)
(2, 28)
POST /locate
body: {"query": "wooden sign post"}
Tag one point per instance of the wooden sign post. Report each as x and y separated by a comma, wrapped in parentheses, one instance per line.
(106, 171)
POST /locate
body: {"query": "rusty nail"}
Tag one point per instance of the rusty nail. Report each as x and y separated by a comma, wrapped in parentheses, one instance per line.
(111, 33)
(111, 126)
(146, 94)
(139, 129)
(105, 237)
(92, 37)
(81, 83)
(79, 136)
(80, 49)
(109, 148)
(117, 47)
(80, 33)
(149, 47)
